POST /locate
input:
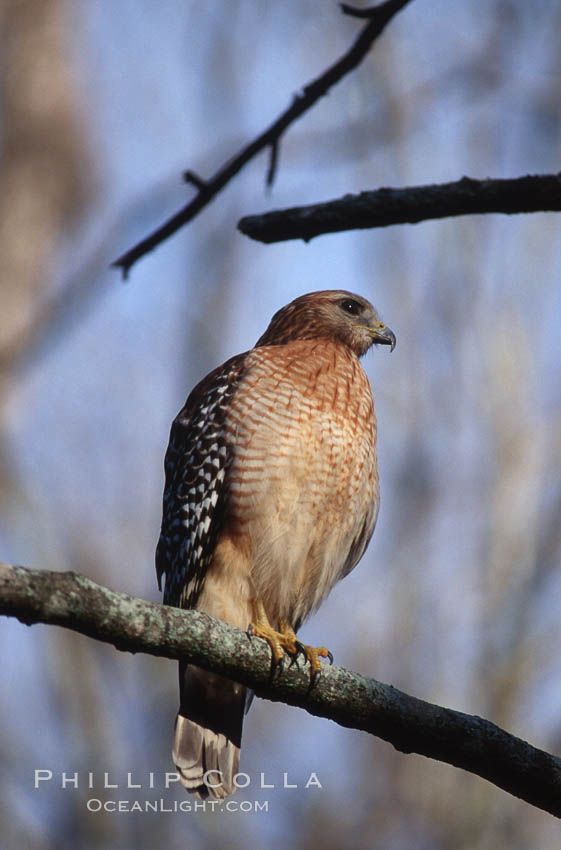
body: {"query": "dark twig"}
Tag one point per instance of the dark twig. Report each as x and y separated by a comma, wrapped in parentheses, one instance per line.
(194, 180)
(352, 700)
(378, 18)
(355, 12)
(382, 207)
(273, 164)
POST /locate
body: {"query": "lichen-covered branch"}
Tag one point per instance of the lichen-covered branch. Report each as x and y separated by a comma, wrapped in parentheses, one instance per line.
(352, 700)
(377, 18)
(386, 206)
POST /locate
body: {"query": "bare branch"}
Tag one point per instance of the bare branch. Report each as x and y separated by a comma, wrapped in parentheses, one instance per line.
(378, 17)
(382, 207)
(352, 700)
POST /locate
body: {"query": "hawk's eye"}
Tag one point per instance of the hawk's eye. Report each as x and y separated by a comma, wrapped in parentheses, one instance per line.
(349, 305)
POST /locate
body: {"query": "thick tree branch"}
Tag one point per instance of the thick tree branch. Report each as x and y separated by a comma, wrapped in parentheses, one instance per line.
(352, 700)
(378, 17)
(382, 207)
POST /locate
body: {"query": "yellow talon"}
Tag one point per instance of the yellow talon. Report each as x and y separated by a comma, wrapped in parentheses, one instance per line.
(285, 639)
(313, 655)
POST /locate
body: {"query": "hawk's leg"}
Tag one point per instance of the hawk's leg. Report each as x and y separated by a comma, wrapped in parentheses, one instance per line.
(285, 639)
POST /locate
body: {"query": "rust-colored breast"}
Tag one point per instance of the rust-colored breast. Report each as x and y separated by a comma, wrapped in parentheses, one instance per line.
(303, 484)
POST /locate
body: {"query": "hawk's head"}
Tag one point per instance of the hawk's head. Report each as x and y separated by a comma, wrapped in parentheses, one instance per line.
(332, 313)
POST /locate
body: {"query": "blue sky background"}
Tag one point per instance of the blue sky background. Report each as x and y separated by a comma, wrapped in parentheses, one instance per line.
(457, 599)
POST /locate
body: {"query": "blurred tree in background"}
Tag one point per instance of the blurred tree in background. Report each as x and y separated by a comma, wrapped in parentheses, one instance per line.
(457, 599)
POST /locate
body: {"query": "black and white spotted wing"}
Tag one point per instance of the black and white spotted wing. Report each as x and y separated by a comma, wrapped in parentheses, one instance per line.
(195, 493)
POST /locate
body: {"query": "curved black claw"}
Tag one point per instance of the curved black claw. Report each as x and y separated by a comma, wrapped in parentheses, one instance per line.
(275, 665)
(301, 650)
(330, 657)
(313, 679)
(295, 655)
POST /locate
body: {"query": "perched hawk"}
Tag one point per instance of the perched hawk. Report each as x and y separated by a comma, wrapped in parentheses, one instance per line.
(271, 496)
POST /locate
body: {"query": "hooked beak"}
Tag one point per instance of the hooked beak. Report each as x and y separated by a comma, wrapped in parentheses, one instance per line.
(382, 335)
